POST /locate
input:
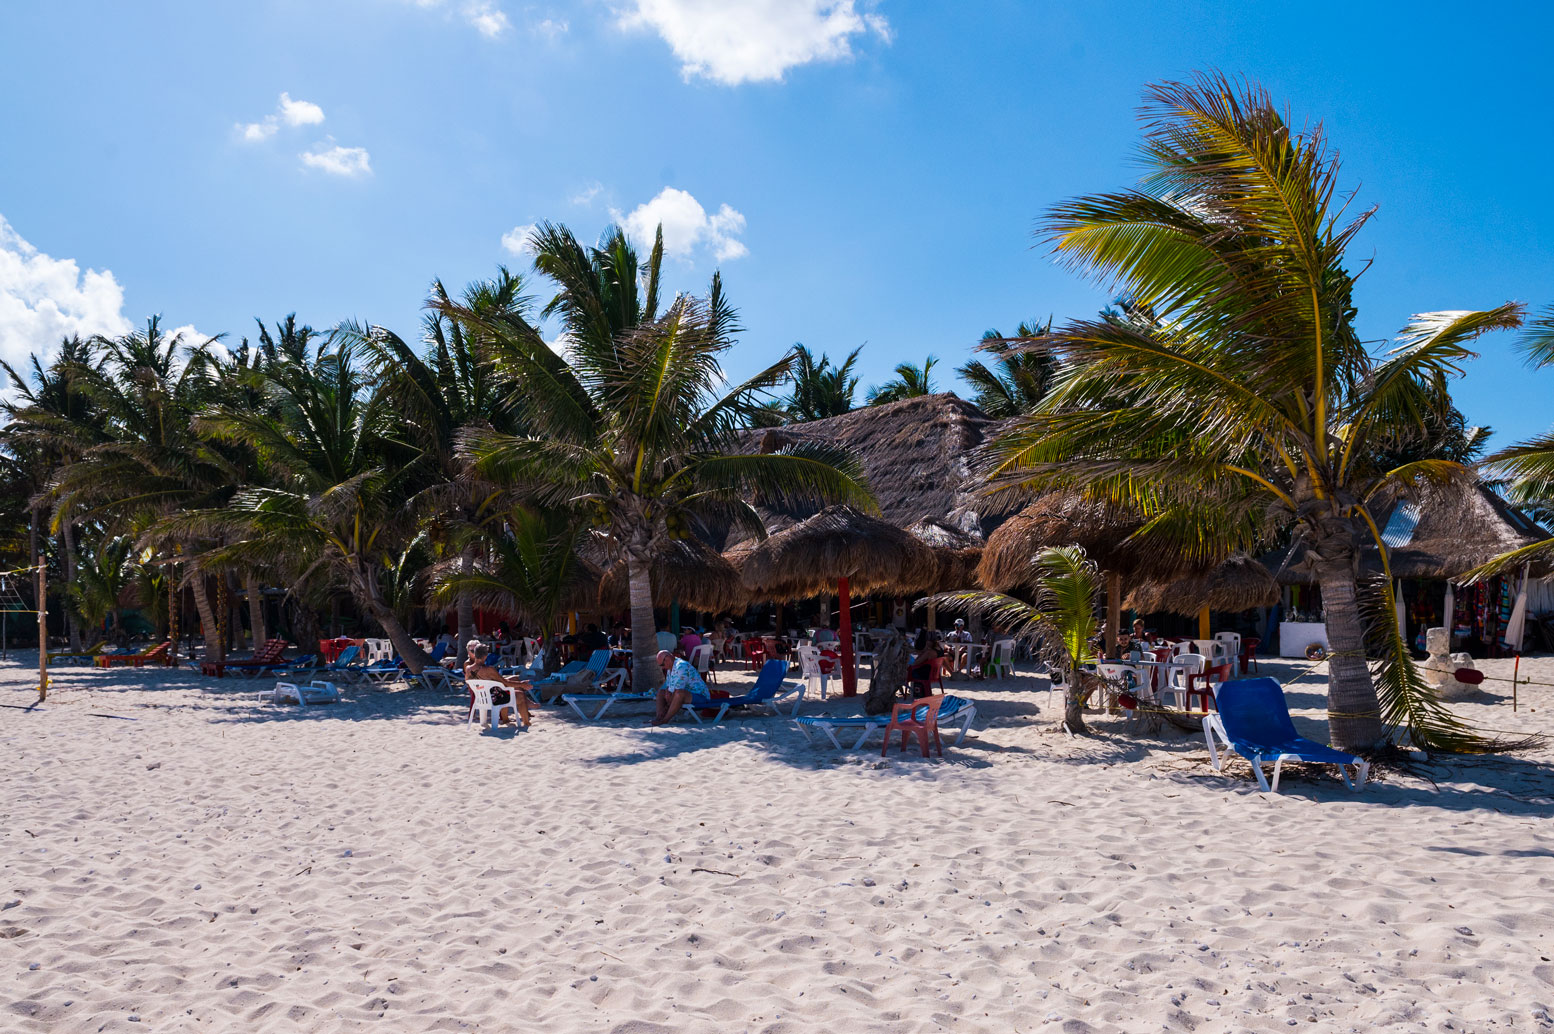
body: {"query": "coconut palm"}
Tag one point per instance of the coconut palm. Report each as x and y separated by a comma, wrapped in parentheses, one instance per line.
(102, 575)
(452, 385)
(821, 389)
(1527, 467)
(910, 382)
(332, 500)
(1242, 377)
(1017, 380)
(1060, 620)
(637, 428)
(533, 572)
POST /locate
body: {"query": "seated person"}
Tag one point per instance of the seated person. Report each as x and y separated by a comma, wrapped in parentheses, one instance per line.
(517, 692)
(1140, 636)
(824, 635)
(960, 635)
(689, 640)
(592, 639)
(681, 680)
(925, 664)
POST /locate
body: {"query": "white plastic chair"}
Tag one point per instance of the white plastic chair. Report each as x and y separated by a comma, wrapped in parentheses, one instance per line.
(1182, 665)
(809, 664)
(1232, 641)
(863, 650)
(1002, 661)
(483, 707)
(701, 660)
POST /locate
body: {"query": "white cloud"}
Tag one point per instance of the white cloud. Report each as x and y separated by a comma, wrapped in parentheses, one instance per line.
(516, 240)
(300, 113)
(485, 16)
(43, 299)
(293, 113)
(488, 19)
(552, 28)
(585, 197)
(754, 40)
(687, 226)
(338, 161)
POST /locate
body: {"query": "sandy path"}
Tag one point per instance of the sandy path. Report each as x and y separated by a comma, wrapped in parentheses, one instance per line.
(219, 865)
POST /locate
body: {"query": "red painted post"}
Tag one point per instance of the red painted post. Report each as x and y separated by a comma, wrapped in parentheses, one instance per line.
(845, 633)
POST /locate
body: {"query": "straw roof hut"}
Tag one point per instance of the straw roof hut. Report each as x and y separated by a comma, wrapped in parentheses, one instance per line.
(1442, 536)
(917, 455)
(1065, 519)
(689, 571)
(807, 558)
(1239, 583)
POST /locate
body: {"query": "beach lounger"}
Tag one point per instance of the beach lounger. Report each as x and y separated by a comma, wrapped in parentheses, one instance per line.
(84, 657)
(1254, 721)
(266, 660)
(314, 693)
(156, 655)
(954, 710)
(345, 665)
(769, 688)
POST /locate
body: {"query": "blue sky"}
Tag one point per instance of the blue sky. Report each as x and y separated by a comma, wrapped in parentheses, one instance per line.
(860, 172)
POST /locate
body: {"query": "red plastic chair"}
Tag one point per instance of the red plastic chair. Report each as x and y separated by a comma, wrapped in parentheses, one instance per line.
(1201, 686)
(1249, 645)
(919, 717)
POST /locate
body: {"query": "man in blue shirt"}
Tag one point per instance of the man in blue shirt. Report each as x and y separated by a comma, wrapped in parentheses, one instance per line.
(681, 680)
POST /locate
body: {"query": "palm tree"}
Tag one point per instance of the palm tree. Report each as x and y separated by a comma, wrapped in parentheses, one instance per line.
(451, 386)
(1061, 620)
(101, 578)
(1245, 380)
(911, 381)
(1018, 379)
(332, 499)
(533, 573)
(633, 428)
(820, 389)
(1528, 467)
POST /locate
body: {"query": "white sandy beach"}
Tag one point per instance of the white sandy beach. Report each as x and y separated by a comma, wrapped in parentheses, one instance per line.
(199, 862)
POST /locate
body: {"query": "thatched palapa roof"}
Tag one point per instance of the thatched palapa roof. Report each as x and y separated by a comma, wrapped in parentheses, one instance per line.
(917, 455)
(1447, 533)
(688, 570)
(807, 558)
(1239, 583)
(1066, 519)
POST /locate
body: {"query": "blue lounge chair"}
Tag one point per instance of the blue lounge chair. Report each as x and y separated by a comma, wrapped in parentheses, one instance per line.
(768, 689)
(954, 710)
(596, 674)
(344, 665)
(1254, 721)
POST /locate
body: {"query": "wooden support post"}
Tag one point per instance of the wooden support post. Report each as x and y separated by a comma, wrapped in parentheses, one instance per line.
(845, 634)
(1113, 610)
(1203, 623)
(43, 631)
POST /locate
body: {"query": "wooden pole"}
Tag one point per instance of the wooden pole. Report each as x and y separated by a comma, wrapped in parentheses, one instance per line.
(43, 631)
(1113, 610)
(1203, 623)
(845, 634)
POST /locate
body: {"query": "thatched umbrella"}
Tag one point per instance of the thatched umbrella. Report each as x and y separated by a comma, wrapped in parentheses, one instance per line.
(1239, 583)
(1066, 519)
(844, 547)
(689, 571)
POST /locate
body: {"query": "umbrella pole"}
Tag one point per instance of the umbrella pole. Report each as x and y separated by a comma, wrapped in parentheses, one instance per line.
(1203, 623)
(845, 633)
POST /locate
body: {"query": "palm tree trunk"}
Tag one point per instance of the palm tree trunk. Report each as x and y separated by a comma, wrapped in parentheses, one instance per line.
(645, 676)
(72, 625)
(1074, 702)
(255, 609)
(1113, 611)
(215, 649)
(466, 605)
(364, 588)
(1353, 713)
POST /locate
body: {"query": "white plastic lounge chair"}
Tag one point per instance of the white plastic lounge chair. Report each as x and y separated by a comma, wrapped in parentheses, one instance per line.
(955, 710)
(483, 707)
(313, 693)
(1254, 721)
